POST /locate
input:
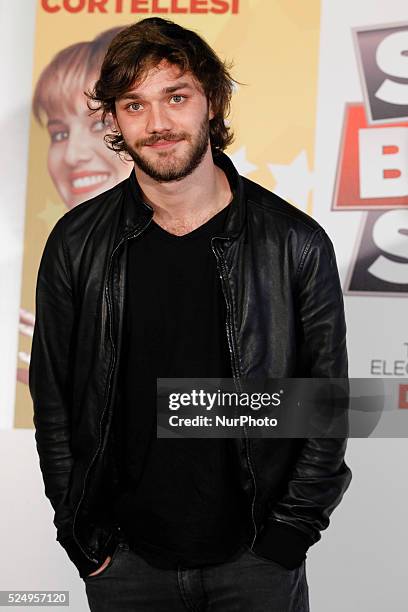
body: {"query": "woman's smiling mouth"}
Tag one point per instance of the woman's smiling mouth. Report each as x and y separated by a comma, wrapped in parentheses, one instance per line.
(82, 182)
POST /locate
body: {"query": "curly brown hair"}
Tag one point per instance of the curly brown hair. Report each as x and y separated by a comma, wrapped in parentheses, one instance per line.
(144, 45)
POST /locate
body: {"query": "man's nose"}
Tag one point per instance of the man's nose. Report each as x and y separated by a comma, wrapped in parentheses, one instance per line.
(77, 148)
(158, 120)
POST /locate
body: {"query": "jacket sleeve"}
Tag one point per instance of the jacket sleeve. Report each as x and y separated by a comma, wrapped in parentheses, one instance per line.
(50, 383)
(320, 476)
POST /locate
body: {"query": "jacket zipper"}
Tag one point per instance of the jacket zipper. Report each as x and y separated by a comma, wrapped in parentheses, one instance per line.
(112, 365)
(234, 362)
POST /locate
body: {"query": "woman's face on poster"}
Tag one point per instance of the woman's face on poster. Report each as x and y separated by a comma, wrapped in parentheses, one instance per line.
(79, 162)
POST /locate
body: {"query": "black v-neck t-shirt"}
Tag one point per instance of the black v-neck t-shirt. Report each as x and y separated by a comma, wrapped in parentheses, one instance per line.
(182, 504)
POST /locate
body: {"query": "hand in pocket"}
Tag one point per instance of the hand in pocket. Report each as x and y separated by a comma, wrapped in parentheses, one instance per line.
(101, 568)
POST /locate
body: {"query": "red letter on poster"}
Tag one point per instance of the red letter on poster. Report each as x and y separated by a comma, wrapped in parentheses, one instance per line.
(74, 9)
(195, 6)
(403, 396)
(222, 7)
(97, 4)
(50, 9)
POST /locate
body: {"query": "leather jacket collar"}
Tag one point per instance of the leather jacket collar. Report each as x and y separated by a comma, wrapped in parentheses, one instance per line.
(137, 212)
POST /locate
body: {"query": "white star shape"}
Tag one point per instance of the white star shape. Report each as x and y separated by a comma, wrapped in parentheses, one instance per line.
(240, 161)
(293, 181)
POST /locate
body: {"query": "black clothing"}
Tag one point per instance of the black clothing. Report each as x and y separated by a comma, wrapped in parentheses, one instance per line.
(285, 318)
(245, 583)
(182, 504)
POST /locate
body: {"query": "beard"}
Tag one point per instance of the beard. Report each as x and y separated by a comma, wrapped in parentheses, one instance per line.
(169, 166)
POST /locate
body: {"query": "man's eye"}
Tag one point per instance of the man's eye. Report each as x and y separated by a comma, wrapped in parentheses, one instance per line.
(177, 98)
(59, 136)
(134, 106)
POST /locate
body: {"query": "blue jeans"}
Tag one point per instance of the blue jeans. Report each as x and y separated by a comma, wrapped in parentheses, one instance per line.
(246, 583)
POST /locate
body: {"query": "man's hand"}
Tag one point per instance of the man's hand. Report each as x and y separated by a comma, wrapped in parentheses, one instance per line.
(99, 570)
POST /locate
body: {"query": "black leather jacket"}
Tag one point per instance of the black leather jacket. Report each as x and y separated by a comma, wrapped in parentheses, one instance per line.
(285, 319)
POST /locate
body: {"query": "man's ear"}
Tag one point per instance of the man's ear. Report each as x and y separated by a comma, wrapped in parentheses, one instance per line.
(211, 113)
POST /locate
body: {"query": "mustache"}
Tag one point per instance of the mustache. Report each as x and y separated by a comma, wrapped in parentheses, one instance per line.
(159, 137)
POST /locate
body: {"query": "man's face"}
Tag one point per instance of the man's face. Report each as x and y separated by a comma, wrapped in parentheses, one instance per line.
(80, 164)
(164, 120)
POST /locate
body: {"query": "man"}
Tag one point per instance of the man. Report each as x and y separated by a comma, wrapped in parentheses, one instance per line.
(185, 269)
